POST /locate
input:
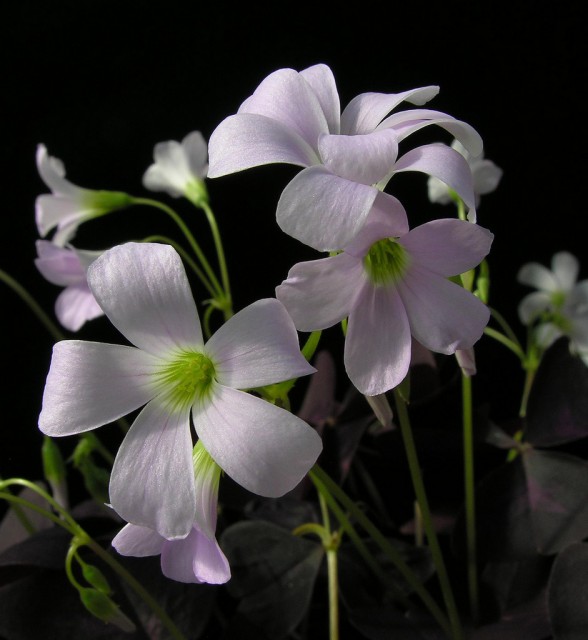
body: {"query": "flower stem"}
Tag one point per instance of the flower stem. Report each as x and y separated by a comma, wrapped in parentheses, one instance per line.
(470, 500)
(331, 549)
(507, 342)
(421, 497)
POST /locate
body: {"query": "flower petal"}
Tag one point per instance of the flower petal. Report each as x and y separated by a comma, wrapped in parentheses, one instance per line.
(264, 448)
(443, 316)
(448, 165)
(532, 305)
(136, 541)
(91, 384)
(196, 151)
(565, 267)
(52, 211)
(361, 158)
(75, 305)
(249, 140)
(365, 111)
(152, 480)
(536, 275)
(448, 247)
(58, 265)
(196, 559)
(322, 81)
(257, 346)
(52, 173)
(206, 482)
(320, 293)
(144, 291)
(377, 346)
(323, 210)
(487, 175)
(285, 96)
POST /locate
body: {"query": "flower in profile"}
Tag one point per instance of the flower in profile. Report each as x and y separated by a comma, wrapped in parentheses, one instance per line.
(68, 206)
(392, 283)
(66, 267)
(179, 168)
(560, 306)
(144, 291)
(485, 174)
(197, 557)
(348, 158)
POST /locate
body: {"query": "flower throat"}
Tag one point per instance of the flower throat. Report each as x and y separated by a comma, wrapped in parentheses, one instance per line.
(386, 261)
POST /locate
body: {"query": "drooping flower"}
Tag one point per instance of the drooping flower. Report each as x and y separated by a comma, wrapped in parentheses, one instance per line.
(392, 283)
(485, 174)
(68, 205)
(66, 267)
(179, 168)
(144, 291)
(294, 117)
(198, 557)
(560, 306)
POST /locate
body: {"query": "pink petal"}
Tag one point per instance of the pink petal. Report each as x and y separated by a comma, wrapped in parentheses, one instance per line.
(448, 247)
(320, 293)
(206, 483)
(257, 346)
(322, 81)
(152, 480)
(362, 158)
(264, 448)
(75, 305)
(58, 265)
(91, 384)
(365, 111)
(443, 316)
(145, 293)
(136, 541)
(323, 210)
(377, 346)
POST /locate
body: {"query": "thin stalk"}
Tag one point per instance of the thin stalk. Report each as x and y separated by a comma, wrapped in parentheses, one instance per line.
(507, 342)
(331, 549)
(332, 492)
(32, 304)
(470, 499)
(505, 326)
(421, 496)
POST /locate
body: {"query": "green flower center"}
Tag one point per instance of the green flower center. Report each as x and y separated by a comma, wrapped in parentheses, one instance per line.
(386, 261)
(187, 378)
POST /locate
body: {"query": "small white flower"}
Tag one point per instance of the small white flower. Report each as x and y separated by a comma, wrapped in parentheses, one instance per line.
(179, 168)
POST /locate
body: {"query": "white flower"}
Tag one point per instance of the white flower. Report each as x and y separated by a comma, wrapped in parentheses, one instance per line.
(179, 168)
(144, 291)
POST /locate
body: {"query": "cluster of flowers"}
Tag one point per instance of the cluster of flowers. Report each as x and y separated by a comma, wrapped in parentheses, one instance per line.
(388, 284)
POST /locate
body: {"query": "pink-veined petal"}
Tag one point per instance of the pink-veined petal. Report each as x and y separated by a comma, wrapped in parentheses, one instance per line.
(565, 267)
(532, 305)
(447, 165)
(323, 210)
(377, 346)
(152, 480)
(449, 246)
(58, 265)
(75, 305)
(443, 316)
(144, 291)
(257, 346)
(320, 293)
(322, 81)
(196, 559)
(264, 448)
(362, 158)
(285, 96)
(140, 542)
(91, 384)
(249, 140)
(366, 111)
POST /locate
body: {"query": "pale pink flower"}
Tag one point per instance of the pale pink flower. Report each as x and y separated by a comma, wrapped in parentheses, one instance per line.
(144, 291)
(66, 267)
(348, 158)
(392, 283)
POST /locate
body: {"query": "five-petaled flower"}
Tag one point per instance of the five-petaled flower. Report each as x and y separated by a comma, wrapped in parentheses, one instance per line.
(66, 267)
(485, 174)
(294, 117)
(390, 283)
(560, 306)
(144, 291)
(198, 557)
(179, 168)
(68, 206)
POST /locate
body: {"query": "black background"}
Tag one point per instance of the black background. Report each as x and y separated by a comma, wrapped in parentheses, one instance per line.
(100, 82)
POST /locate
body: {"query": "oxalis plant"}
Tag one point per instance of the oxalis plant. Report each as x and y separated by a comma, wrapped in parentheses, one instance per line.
(230, 506)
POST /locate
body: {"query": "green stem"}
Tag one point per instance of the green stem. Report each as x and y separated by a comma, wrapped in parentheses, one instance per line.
(470, 500)
(514, 347)
(311, 344)
(505, 327)
(33, 305)
(421, 497)
(331, 491)
(332, 570)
